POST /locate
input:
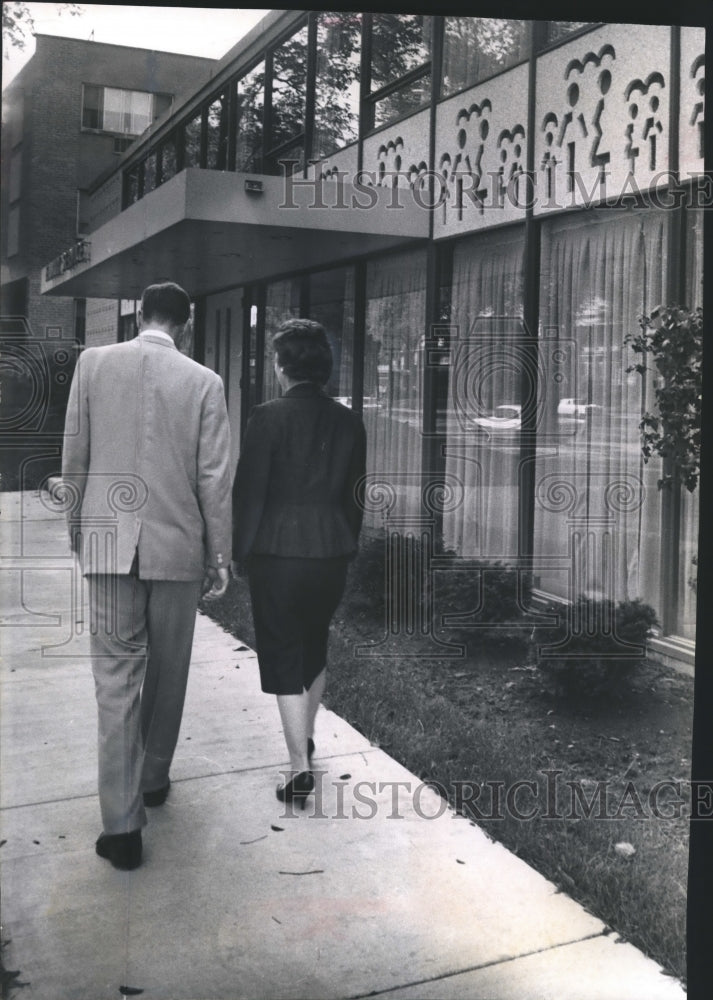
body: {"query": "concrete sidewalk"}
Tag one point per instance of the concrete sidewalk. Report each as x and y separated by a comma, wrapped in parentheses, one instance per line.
(237, 896)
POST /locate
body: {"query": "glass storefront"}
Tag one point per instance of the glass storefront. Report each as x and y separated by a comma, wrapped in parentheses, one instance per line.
(596, 503)
(393, 374)
(484, 402)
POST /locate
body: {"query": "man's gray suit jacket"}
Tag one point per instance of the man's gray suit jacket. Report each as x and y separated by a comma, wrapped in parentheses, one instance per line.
(145, 462)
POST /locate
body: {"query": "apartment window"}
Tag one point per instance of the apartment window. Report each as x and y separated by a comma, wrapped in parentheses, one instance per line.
(336, 113)
(400, 67)
(475, 48)
(128, 112)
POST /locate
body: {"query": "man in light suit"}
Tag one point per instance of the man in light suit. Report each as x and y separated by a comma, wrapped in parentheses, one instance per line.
(146, 464)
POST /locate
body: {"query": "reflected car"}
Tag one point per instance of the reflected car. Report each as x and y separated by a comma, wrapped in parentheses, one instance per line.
(574, 409)
(504, 419)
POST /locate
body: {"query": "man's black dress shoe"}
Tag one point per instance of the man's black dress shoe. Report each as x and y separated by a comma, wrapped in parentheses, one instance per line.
(310, 748)
(122, 849)
(157, 797)
(296, 790)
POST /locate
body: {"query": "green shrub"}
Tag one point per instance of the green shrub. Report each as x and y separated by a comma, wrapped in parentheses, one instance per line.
(487, 600)
(597, 647)
(464, 601)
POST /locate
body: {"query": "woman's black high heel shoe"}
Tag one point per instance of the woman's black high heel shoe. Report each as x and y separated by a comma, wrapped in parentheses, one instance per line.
(296, 790)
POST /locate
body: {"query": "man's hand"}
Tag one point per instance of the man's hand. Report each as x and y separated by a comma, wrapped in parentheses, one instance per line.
(215, 583)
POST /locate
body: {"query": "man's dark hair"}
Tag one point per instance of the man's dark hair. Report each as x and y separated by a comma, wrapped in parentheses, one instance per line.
(166, 302)
(303, 351)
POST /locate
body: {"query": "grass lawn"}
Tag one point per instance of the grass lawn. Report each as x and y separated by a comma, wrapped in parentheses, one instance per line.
(588, 791)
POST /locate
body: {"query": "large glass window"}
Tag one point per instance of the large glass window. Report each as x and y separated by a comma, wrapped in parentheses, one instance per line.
(400, 51)
(150, 176)
(336, 113)
(289, 91)
(685, 625)
(487, 363)
(168, 158)
(557, 30)
(393, 375)
(251, 107)
(597, 506)
(475, 48)
(129, 112)
(282, 301)
(331, 303)
(217, 153)
(192, 138)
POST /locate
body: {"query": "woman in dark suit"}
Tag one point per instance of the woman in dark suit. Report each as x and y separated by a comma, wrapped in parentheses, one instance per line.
(296, 522)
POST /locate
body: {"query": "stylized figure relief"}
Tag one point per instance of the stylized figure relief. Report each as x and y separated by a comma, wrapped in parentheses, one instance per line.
(697, 119)
(389, 159)
(511, 144)
(461, 169)
(549, 160)
(580, 134)
(645, 128)
(473, 129)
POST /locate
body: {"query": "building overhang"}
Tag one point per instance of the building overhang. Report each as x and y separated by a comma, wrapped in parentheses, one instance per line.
(210, 230)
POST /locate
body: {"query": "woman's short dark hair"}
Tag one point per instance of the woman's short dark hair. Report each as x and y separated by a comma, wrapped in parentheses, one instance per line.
(167, 302)
(303, 351)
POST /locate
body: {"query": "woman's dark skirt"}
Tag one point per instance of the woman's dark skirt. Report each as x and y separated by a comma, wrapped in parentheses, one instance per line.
(293, 601)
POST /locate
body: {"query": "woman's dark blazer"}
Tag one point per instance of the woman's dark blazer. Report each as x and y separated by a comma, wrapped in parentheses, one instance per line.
(295, 487)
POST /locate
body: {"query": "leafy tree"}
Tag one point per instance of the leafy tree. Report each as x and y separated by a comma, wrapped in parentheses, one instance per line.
(18, 23)
(673, 337)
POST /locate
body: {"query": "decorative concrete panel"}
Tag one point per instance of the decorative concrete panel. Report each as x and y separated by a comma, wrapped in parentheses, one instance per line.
(602, 116)
(481, 155)
(341, 164)
(693, 85)
(398, 156)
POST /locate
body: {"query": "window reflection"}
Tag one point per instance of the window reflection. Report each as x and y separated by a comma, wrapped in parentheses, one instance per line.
(393, 374)
(400, 47)
(475, 48)
(150, 172)
(331, 303)
(289, 88)
(168, 158)
(336, 115)
(399, 44)
(193, 142)
(251, 104)
(561, 29)
(217, 156)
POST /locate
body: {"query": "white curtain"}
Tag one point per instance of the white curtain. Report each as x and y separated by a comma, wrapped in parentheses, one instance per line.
(126, 111)
(393, 376)
(483, 420)
(597, 506)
